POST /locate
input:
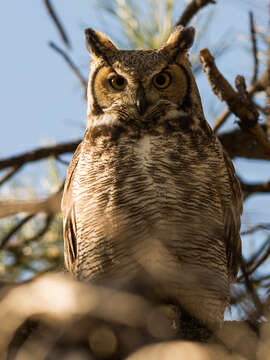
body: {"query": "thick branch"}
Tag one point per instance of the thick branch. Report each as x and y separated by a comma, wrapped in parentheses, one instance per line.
(250, 189)
(191, 10)
(73, 67)
(57, 22)
(238, 102)
(241, 144)
(236, 142)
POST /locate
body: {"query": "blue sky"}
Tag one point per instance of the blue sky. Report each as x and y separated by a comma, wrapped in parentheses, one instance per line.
(42, 101)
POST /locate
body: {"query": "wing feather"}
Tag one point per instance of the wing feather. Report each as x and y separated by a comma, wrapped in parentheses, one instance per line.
(69, 216)
(232, 219)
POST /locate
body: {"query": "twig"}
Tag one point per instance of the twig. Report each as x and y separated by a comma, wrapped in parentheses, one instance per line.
(12, 172)
(221, 120)
(39, 154)
(238, 102)
(253, 267)
(250, 189)
(64, 162)
(13, 231)
(256, 228)
(263, 110)
(254, 47)
(251, 290)
(258, 253)
(268, 80)
(72, 66)
(191, 10)
(57, 22)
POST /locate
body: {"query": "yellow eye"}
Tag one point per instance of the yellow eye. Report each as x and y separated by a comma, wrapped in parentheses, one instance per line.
(117, 82)
(162, 80)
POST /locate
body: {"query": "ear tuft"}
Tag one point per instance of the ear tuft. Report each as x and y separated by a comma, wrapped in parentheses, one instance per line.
(99, 45)
(180, 40)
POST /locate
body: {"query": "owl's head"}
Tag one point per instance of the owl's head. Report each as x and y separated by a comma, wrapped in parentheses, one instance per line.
(127, 84)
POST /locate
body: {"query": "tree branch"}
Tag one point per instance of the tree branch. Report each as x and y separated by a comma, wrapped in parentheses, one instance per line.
(258, 86)
(73, 67)
(256, 228)
(191, 10)
(38, 154)
(50, 205)
(251, 189)
(236, 142)
(241, 144)
(238, 102)
(254, 265)
(254, 47)
(57, 22)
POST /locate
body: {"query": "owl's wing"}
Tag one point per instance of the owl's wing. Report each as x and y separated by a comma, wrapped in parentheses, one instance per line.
(232, 216)
(68, 211)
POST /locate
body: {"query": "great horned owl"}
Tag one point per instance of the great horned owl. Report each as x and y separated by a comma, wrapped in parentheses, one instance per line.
(150, 196)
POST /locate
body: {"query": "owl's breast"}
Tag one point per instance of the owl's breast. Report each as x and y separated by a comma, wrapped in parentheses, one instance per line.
(156, 188)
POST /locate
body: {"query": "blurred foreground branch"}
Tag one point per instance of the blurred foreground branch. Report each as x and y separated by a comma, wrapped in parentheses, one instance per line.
(50, 205)
(66, 317)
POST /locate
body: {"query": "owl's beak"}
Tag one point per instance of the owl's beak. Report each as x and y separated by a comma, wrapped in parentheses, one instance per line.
(140, 100)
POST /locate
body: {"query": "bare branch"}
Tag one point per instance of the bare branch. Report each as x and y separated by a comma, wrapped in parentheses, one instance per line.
(191, 10)
(258, 253)
(13, 231)
(72, 66)
(221, 120)
(236, 142)
(251, 189)
(241, 144)
(260, 85)
(254, 47)
(38, 154)
(64, 162)
(253, 293)
(256, 228)
(238, 102)
(57, 22)
(254, 266)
